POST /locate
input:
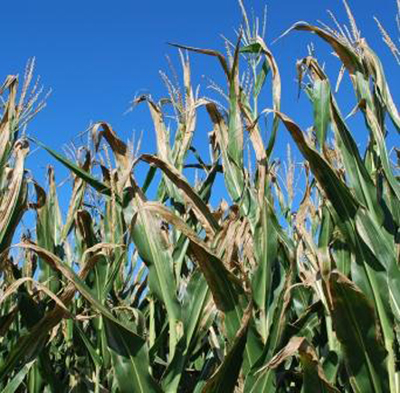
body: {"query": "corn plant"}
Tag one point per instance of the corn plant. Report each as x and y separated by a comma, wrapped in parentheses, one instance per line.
(148, 288)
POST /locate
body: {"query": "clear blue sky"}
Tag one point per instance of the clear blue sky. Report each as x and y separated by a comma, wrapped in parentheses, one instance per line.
(96, 55)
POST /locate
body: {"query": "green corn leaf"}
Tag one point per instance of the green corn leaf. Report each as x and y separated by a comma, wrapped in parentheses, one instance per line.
(364, 352)
(358, 175)
(225, 378)
(97, 361)
(127, 356)
(266, 248)
(193, 307)
(260, 47)
(81, 173)
(261, 77)
(18, 379)
(321, 100)
(146, 235)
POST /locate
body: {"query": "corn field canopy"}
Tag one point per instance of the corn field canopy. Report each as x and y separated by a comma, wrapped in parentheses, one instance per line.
(145, 287)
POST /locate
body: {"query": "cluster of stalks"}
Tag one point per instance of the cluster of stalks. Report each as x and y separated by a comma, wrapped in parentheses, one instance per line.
(130, 294)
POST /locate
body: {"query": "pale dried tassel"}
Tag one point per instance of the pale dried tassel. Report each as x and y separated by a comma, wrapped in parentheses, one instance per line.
(264, 23)
(175, 77)
(290, 174)
(197, 181)
(257, 27)
(388, 41)
(187, 81)
(340, 31)
(70, 151)
(343, 35)
(246, 19)
(340, 77)
(169, 85)
(29, 110)
(30, 66)
(354, 29)
(334, 32)
(347, 36)
(138, 145)
(172, 93)
(311, 49)
(214, 86)
(228, 46)
(246, 83)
